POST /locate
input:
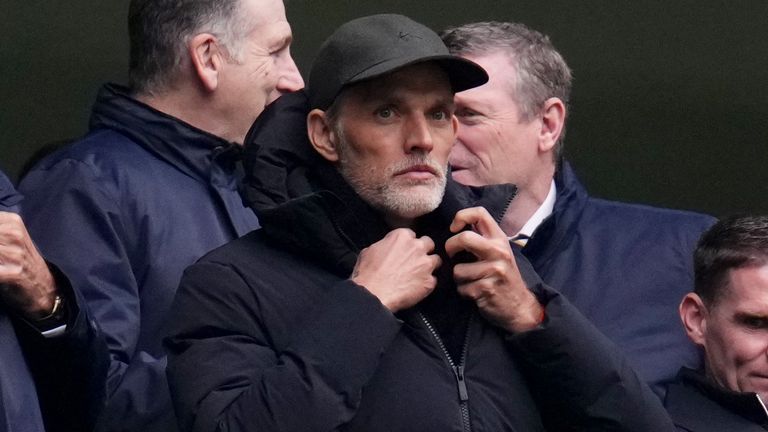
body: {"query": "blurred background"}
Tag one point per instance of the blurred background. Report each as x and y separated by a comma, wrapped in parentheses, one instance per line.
(668, 107)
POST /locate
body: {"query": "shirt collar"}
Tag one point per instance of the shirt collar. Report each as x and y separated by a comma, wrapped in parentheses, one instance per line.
(544, 210)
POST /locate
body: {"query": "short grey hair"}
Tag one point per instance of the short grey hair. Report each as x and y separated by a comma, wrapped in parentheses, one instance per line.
(542, 73)
(159, 31)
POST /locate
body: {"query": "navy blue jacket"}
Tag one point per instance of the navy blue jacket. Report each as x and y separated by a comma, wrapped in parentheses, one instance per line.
(625, 267)
(19, 408)
(269, 334)
(122, 212)
(62, 368)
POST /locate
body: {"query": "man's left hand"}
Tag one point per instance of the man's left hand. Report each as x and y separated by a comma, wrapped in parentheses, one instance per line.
(493, 281)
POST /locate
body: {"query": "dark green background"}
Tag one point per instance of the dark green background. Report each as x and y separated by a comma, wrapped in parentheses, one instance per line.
(669, 102)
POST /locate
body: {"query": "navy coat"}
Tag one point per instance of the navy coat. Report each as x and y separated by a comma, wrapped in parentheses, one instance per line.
(626, 267)
(122, 212)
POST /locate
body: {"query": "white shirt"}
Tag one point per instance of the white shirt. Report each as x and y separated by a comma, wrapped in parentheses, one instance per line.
(543, 212)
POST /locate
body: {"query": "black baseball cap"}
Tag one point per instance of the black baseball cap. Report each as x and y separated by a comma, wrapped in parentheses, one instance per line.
(375, 45)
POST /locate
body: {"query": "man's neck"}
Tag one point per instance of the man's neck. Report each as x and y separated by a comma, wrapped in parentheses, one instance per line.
(523, 207)
(395, 222)
(190, 110)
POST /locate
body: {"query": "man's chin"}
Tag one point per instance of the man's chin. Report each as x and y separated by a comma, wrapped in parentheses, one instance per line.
(416, 200)
(433, 188)
(759, 384)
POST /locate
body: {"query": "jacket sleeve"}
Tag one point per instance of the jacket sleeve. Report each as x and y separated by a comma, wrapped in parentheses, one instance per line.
(59, 367)
(76, 217)
(580, 379)
(69, 369)
(226, 374)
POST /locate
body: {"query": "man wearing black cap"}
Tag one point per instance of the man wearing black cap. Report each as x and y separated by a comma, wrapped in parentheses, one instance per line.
(379, 296)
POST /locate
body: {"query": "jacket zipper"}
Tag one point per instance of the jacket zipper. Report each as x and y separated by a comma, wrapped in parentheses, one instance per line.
(458, 369)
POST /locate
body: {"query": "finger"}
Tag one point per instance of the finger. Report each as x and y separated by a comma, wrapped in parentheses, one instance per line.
(458, 242)
(11, 225)
(436, 262)
(11, 254)
(11, 235)
(404, 232)
(471, 272)
(480, 220)
(16, 239)
(483, 248)
(429, 244)
(431, 283)
(8, 217)
(475, 290)
(10, 273)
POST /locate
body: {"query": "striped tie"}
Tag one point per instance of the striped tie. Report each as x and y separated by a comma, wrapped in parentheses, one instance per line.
(520, 240)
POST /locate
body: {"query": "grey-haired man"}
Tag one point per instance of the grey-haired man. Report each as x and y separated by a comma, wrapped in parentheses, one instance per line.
(624, 266)
(153, 185)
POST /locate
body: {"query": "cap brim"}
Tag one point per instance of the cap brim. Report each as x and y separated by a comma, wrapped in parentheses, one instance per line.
(463, 74)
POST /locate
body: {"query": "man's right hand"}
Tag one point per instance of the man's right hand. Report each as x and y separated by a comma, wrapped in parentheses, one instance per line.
(398, 269)
(26, 284)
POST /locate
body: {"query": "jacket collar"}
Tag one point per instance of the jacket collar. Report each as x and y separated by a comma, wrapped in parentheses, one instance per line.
(747, 404)
(189, 149)
(553, 231)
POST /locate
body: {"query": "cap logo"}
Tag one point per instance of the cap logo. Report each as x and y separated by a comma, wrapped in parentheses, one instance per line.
(407, 36)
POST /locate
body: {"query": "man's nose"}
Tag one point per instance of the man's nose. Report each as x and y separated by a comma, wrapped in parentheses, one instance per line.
(418, 135)
(290, 78)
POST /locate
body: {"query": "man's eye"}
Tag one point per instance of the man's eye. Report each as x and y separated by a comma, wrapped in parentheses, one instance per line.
(384, 113)
(440, 115)
(468, 117)
(755, 322)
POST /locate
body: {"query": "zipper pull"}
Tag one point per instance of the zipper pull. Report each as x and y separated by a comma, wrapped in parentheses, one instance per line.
(459, 373)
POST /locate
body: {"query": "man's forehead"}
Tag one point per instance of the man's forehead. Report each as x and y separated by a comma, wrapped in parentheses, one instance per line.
(746, 289)
(473, 99)
(267, 17)
(271, 32)
(423, 79)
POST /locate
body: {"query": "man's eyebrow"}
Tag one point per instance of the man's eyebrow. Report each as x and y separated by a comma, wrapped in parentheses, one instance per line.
(281, 41)
(473, 105)
(447, 102)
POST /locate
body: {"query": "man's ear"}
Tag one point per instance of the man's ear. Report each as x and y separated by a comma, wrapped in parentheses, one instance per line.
(321, 135)
(694, 315)
(207, 59)
(552, 123)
